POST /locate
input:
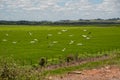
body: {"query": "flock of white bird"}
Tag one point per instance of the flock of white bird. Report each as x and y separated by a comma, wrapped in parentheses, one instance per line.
(54, 42)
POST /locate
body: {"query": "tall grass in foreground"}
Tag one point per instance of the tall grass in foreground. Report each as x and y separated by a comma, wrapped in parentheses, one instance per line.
(9, 70)
(114, 59)
(12, 70)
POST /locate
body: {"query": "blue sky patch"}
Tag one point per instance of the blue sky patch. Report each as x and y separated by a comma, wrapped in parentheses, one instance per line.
(96, 1)
(62, 2)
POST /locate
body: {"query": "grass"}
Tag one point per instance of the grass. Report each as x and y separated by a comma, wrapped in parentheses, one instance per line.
(101, 39)
(115, 60)
(10, 70)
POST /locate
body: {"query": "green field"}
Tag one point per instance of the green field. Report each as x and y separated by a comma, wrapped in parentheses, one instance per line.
(32, 42)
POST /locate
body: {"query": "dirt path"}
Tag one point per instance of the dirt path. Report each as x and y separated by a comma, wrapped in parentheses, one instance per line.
(105, 73)
(79, 62)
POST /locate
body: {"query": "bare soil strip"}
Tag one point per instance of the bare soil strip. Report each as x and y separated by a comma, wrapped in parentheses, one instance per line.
(78, 62)
(105, 73)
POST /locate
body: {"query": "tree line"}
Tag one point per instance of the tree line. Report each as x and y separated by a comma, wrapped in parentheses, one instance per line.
(63, 22)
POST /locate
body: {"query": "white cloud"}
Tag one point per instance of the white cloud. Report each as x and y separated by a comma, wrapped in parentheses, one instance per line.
(1, 6)
(64, 9)
(109, 5)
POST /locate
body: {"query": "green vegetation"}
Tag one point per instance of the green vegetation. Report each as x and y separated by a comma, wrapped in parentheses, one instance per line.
(29, 43)
(10, 70)
(36, 46)
(114, 60)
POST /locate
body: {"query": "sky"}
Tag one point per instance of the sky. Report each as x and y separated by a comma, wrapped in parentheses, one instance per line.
(53, 10)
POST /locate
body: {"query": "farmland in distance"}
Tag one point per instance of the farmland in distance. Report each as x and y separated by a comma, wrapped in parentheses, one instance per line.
(31, 42)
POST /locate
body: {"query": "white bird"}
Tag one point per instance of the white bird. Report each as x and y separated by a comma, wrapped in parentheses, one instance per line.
(6, 34)
(79, 44)
(84, 36)
(32, 42)
(14, 42)
(55, 42)
(4, 40)
(64, 30)
(87, 38)
(71, 42)
(71, 35)
(63, 49)
(84, 30)
(30, 33)
(59, 33)
(35, 39)
(49, 34)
